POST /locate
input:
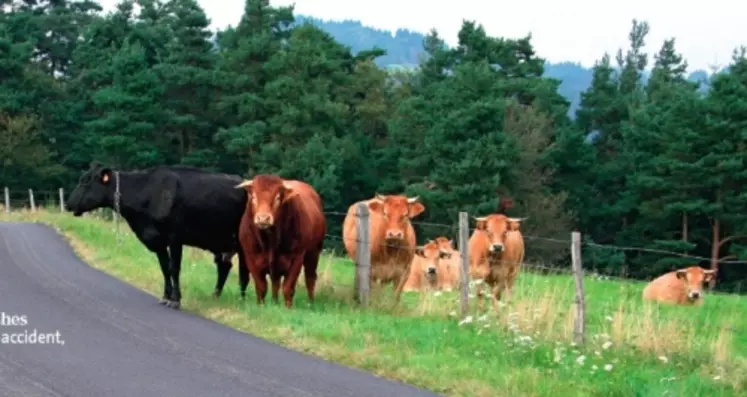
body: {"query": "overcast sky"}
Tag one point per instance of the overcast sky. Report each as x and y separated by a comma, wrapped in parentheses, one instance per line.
(569, 30)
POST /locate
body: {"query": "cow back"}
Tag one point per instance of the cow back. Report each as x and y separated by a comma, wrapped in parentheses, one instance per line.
(302, 222)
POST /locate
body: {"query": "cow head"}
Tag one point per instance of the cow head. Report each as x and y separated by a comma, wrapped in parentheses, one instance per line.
(432, 255)
(267, 194)
(694, 277)
(445, 244)
(397, 210)
(95, 189)
(496, 226)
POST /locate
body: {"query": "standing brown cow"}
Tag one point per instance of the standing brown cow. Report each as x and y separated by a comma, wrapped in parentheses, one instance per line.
(392, 237)
(281, 230)
(496, 251)
(681, 287)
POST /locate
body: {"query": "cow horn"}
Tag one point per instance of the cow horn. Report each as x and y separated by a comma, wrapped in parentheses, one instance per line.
(287, 185)
(244, 184)
(481, 218)
(518, 219)
(709, 271)
(379, 197)
(413, 200)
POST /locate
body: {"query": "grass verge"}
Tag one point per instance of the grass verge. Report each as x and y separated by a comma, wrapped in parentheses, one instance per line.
(634, 349)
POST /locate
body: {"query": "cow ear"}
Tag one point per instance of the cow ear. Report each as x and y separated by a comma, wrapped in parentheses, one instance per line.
(708, 275)
(419, 251)
(105, 175)
(681, 274)
(375, 206)
(444, 255)
(416, 209)
(288, 192)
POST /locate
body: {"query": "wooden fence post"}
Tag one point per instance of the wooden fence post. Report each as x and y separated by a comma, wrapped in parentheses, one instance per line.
(464, 250)
(31, 200)
(579, 320)
(7, 199)
(62, 200)
(363, 256)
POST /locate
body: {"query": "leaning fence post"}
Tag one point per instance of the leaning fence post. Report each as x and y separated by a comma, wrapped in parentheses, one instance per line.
(363, 256)
(62, 200)
(579, 319)
(31, 200)
(7, 199)
(463, 249)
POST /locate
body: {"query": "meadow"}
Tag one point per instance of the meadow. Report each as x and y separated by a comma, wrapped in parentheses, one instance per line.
(632, 349)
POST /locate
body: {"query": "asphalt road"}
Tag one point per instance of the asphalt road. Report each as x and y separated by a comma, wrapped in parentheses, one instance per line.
(118, 341)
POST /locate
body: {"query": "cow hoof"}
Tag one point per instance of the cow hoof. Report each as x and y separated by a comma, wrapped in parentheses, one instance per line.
(173, 304)
(163, 301)
(216, 294)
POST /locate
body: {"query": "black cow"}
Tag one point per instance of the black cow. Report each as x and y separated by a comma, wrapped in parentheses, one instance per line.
(168, 207)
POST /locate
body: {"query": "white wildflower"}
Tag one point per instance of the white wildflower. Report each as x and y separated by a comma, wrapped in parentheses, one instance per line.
(663, 359)
(594, 367)
(466, 320)
(609, 318)
(437, 293)
(606, 345)
(608, 367)
(453, 313)
(580, 360)
(717, 377)
(483, 317)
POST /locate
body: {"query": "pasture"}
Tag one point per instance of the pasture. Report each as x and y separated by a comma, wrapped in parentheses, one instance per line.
(632, 348)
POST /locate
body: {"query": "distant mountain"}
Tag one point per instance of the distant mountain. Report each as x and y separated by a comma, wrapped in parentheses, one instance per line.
(404, 47)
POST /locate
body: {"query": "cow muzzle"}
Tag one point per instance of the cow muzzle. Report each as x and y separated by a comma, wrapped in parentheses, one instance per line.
(430, 271)
(496, 248)
(693, 295)
(395, 235)
(263, 220)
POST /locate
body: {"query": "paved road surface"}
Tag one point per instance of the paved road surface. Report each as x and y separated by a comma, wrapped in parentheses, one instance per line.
(119, 342)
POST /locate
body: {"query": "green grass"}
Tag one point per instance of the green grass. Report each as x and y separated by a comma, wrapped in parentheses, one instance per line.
(523, 350)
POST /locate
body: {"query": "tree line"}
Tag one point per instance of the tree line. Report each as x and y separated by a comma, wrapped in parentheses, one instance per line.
(656, 165)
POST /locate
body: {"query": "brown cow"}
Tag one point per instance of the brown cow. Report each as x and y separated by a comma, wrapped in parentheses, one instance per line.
(496, 252)
(682, 286)
(281, 230)
(427, 268)
(449, 274)
(392, 237)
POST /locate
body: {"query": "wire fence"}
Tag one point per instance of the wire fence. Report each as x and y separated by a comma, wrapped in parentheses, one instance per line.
(443, 263)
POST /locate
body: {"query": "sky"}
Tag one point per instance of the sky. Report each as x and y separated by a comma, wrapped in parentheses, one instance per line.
(572, 30)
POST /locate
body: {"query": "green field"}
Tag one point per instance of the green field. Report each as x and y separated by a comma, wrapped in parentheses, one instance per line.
(633, 349)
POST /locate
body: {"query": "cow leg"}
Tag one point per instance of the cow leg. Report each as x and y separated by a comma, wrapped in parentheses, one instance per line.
(163, 261)
(175, 249)
(243, 274)
(275, 277)
(258, 270)
(311, 262)
(224, 267)
(294, 265)
(399, 285)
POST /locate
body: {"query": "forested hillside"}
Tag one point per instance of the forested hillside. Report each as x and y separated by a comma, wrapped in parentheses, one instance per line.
(139, 89)
(404, 49)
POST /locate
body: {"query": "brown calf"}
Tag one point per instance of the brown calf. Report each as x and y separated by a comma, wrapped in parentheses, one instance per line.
(449, 275)
(427, 268)
(681, 287)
